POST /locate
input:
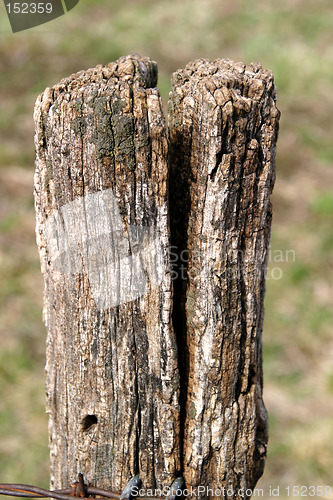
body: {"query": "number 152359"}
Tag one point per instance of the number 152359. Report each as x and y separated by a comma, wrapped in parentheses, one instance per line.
(29, 8)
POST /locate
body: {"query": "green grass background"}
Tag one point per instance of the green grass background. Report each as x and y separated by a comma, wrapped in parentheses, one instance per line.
(293, 38)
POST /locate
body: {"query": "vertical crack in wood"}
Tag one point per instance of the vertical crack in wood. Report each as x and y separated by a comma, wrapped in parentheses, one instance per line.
(180, 209)
(173, 375)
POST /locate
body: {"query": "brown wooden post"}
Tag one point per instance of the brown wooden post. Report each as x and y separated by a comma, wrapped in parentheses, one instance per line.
(223, 125)
(103, 236)
(141, 379)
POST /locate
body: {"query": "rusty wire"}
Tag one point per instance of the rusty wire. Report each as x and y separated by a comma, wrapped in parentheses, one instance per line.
(81, 490)
(29, 491)
(77, 491)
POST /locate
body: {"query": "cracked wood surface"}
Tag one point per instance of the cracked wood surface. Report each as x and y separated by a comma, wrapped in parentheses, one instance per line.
(170, 380)
(223, 125)
(99, 130)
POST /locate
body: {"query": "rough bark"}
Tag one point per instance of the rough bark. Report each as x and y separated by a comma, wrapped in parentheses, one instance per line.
(126, 393)
(103, 237)
(223, 125)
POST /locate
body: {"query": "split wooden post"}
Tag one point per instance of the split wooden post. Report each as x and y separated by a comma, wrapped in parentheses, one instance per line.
(223, 125)
(103, 236)
(142, 378)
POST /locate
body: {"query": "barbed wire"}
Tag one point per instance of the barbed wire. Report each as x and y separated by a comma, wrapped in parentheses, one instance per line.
(78, 490)
(81, 490)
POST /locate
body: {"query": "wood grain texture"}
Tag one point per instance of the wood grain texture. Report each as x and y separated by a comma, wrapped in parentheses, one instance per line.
(223, 125)
(111, 369)
(154, 352)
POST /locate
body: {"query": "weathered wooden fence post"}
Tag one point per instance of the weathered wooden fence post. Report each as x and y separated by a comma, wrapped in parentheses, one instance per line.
(141, 379)
(223, 131)
(103, 236)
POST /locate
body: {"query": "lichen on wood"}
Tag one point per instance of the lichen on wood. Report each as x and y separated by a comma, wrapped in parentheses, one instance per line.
(103, 131)
(156, 369)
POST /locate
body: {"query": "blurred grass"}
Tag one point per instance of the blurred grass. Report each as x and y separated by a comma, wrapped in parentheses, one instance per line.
(294, 38)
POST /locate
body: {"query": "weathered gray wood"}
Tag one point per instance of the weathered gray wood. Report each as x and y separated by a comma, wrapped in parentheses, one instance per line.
(101, 204)
(223, 131)
(125, 393)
